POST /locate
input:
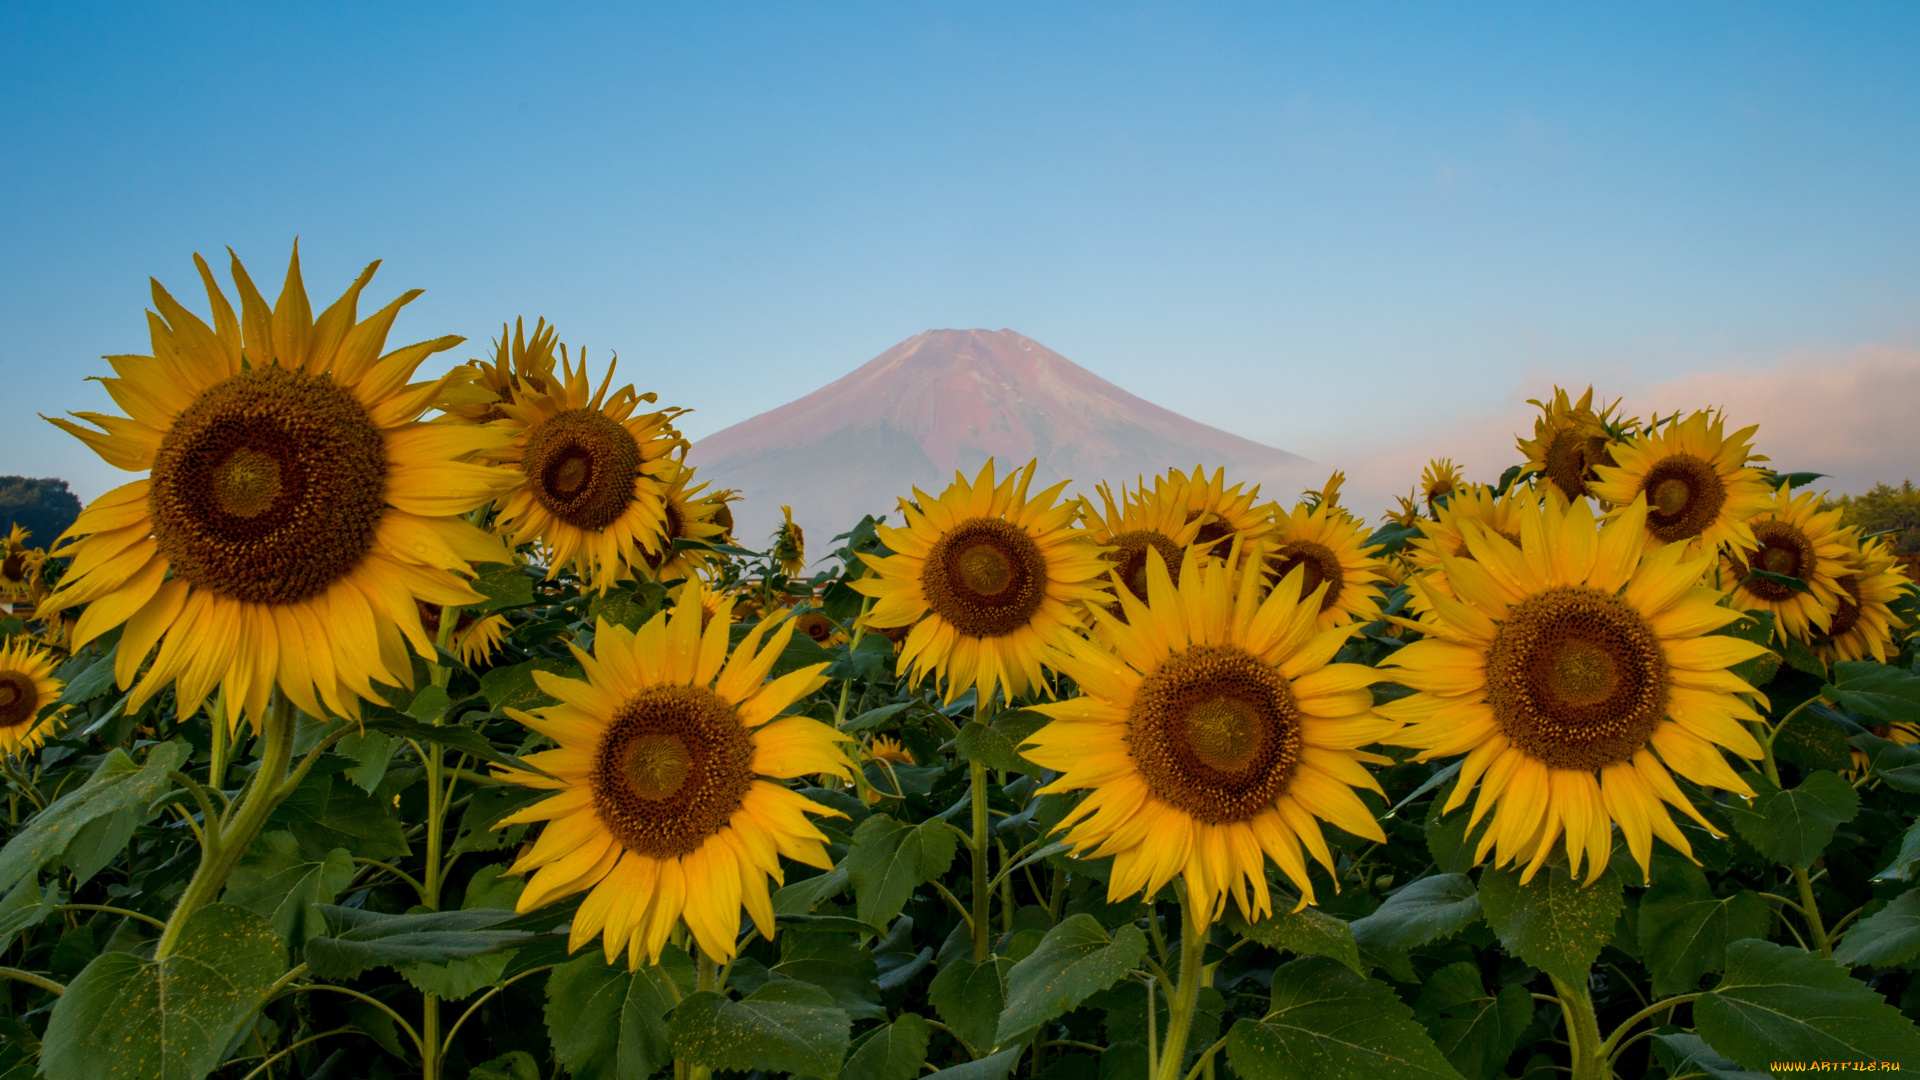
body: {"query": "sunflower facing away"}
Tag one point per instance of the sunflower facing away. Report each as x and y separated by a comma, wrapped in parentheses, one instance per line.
(1794, 537)
(985, 575)
(688, 515)
(295, 510)
(595, 469)
(1440, 480)
(1574, 671)
(1700, 490)
(667, 805)
(1864, 623)
(1223, 512)
(1214, 734)
(520, 364)
(790, 546)
(1570, 440)
(1329, 543)
(28, 697)
(1142, 521)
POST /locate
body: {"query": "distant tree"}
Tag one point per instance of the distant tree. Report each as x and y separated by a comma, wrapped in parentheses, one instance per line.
(1886, 509)
(44, 507)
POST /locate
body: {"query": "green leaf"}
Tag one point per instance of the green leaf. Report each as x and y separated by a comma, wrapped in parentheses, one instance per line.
(1901, 868)
(1784, 580)
(430, 704)
(512, 1065)
(328, 811)
(1801, 658)
(1684, 928)
(512, 687)
(622, 609)
(969, 998)
(1328, 1023)
(874, 718)
(888, 860)
(1794, 826)
(1685, 1054)
(25, 907)
(458, 979)
(785, 1026)
(1781, 1004)
(1074, 961)
(1882, 691)
(893, 1052)
(126, 1016)
(452, 736)
(485, 807)
(1552, 923)
(90, 682)
(363, 939)
(1475, 1030)
(992, 1067)
(99, 842)
(116, 785)
(1812, 741)
(608, 1023)
(1307, 932)
(801, 897)
(280, 883)
(505, 585)
(1889, 936)
(1425, 910)
(831, 961)
(998, 747)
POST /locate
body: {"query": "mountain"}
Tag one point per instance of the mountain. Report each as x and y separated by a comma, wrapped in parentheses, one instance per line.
(947, 400)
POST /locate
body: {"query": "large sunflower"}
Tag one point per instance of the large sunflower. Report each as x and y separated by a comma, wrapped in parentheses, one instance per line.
(295, 510)
(1444, 536)
(1564, 666)
(1142, 521)
(1864, 623)
(1223, 512)
(986, 575)
(688, 515)
(520, 364)
(1794, 537)
(1570, 440)
(29, 696)
(596, 475)
(1331, 545)
(1214, 734)
(1699, 488)
(667, 806)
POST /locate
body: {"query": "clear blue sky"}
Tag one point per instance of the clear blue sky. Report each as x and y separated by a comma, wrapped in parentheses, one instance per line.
(1293, 222)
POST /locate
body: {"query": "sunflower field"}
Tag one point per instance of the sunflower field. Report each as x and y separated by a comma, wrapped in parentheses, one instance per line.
(444, 728)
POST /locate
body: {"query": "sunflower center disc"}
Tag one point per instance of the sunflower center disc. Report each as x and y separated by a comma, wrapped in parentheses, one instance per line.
(1783, 550)
(672, 768)
(18, 699)
(581, 465)
(1130, 560)
(1215, 733)
(674, 528)
(1321, 565)
(1577, 678)
(1845, 619)
(14, 567)
(269, 487)
(1684, 496)
(1570, 459)
(986, 577)
(1210, 533)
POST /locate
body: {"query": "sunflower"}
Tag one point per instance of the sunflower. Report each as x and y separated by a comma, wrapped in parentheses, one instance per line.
(19, 565)
(1142, 521)
(1443, 536)
(295, 511)
(28, 697)
(1406, 510)
(1564, 666)
(816, 625)
(1331, 545)
(596, 475)
(689, 515)
(667, 805)
(476, 638)
(1570, 440)
(1439, 481)
(1699, 488)
(1794, 537)
(1214, 734)
(1329, 494)
(1223, 512)
(985, 575)
(1864, 622)
(886, 753)
(520, 364)
(790, 546)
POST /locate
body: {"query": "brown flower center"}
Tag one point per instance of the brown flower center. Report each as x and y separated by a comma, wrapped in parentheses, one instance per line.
(672, 768)
(986, 577)
(1129, 558)
(672, 529)
(581, 465)
(269, 487)
(1577, 678)
(1215, 733)
(1684, 496)
(19, 700)
(1784, 550)
(1570, 459)
(1320, 565)
(816, 626)
(1848, 616)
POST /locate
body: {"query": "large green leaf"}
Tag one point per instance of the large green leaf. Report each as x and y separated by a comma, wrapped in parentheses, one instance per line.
(130, 1018)
(1075, 960)
(505, 585)
(992, 1067)
(1684, 928)
(282, 884)
(998, 746)
(969, 998)
(888, 860)
(892, 1052)
(831, 961)
(1889, 936)
(513, 687)
(117, 785)
(26, 906)
(452, 736)
(329, 811)
(1882, 691)
(608, 1023)
(802, 897)
(1687, 1054)
(1904, 861)
(1475, 1030)
(1307, 932)
(1553, 922)
(361, 939)
(1793, 826)
(1425, 910)
(462, 977)
(1327, 1023)
(1782, 1004)
(1812, 741)
(785, 1026)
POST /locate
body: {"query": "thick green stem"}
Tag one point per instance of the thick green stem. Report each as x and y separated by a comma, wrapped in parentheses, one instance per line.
(709, 979)
(1811, 910)
(1194, 931)
(982, 891)
(437, 799)
(222, 743)
(227, 840)
(1584, 1045)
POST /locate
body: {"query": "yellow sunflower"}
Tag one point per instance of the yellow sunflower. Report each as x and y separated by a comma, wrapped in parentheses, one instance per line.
(689, 515)
(790, 546)
(1406, 509)
(1214, 734)
(596, 475)
(1443, 535)
(1570, 440)
(1143, 520)
(1223, 512)
(295, 510)
(886, 753)
(475, 637)
(1699, 488)
(1330, 544)
(667, 805)
(816, 625)
(1440, 480)
(1329, 494)
(1564, 666)
(1864, 623)
(28, 697)
(519, 364)
(1793, 536)
(986, 576)
(19, 565)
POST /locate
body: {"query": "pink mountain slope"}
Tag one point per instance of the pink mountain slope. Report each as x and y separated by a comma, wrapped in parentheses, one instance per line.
(947, 400)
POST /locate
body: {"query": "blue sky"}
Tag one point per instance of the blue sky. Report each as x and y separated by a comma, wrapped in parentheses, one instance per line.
(1324, 229)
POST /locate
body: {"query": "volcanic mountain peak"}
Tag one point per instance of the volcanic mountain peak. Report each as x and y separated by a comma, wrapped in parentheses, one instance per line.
(947, 400)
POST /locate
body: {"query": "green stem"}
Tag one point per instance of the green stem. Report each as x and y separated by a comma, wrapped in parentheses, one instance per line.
(1812, 911)
(122, 912)
(431, 1055)
(222, 744)
(1584, 1045)
(982, 892)
(1195, 927)
(1613, 1044)
(226, 844)
(709, 979)
(31, 979)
